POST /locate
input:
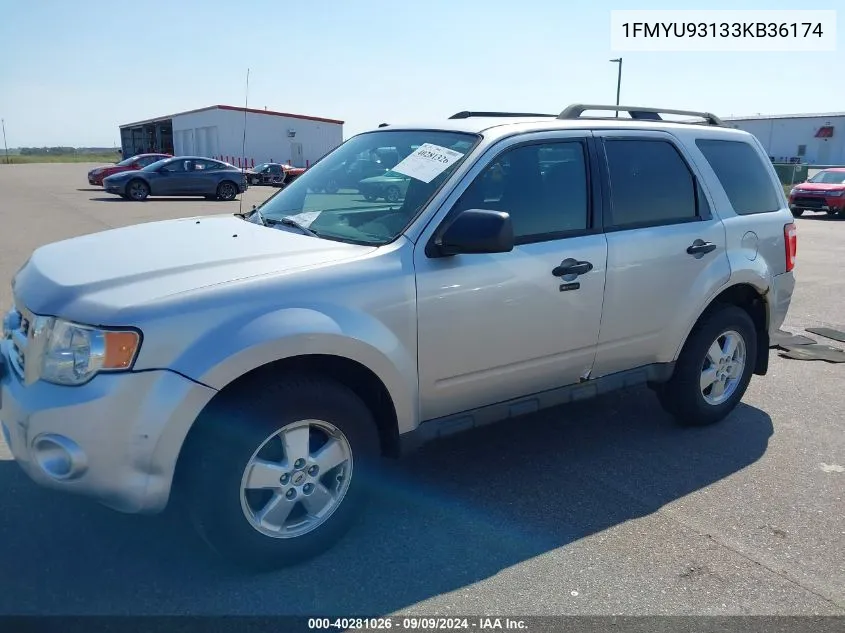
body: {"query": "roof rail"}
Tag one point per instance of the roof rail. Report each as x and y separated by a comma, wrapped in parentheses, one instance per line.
(637, 112)
(466, 114)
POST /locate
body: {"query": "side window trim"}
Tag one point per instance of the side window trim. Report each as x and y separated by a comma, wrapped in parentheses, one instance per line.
(703, 212)
(595, 199)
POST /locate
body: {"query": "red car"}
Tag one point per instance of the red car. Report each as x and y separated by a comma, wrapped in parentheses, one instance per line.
(96, 175)
(823, 192)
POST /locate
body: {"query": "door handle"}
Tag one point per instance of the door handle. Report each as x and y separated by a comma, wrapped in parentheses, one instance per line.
(700, 247)
(572, 267)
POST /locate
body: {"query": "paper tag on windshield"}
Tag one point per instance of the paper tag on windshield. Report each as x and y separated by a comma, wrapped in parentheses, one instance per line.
(306, 218)
(427, 162)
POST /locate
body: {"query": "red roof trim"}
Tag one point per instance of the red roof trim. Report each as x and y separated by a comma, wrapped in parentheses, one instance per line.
(304, 117)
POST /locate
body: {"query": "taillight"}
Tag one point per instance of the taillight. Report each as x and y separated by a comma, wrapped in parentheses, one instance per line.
(790, 238)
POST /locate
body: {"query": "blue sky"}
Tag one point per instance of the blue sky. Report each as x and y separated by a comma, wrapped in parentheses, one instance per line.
(72, 71)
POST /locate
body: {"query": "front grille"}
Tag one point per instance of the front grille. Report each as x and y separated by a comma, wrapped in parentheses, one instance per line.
(809, 202)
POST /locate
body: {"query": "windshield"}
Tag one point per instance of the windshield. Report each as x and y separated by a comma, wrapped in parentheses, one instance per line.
(127, 161)
(331, 200)
(156, 165)
(829, 177)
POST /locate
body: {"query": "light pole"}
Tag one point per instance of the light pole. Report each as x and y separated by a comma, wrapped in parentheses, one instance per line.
(618, 60)
(3, 123)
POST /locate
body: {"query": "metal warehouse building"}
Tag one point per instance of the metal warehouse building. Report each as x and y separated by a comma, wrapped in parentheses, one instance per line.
(218, 132)
(811, 139)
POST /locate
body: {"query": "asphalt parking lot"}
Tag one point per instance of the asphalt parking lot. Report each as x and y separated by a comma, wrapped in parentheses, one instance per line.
(597, 508)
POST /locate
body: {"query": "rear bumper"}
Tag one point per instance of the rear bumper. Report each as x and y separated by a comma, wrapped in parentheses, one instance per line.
(780, 296)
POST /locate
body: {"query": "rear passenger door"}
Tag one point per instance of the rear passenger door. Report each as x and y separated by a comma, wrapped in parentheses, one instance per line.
(666, 249)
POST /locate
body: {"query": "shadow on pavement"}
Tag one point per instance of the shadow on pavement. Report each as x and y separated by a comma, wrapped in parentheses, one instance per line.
(449, 516)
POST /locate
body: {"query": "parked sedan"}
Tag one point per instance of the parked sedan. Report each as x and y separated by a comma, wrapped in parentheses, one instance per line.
(181, 176)
(391, 186)
(139, 161)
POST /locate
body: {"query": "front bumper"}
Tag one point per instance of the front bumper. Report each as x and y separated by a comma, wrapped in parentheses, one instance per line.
(115, 188)
(817, 203)
(115, 439)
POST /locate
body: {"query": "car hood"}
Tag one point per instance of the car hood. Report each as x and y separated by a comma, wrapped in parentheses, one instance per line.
(382, 180)
(820, 186)
(105, 273)
(102, 168)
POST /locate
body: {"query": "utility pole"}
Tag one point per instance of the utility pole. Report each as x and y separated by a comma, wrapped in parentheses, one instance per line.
(618, 60)
(3, 122)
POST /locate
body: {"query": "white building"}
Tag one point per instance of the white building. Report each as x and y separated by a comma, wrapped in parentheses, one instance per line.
(218, 132)
(813, 139)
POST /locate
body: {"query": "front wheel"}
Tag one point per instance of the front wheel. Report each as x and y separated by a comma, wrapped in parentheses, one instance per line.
(277, 476)
(713, 370)
(797, 213)
(392, 194)
(226, 191)
(137, 190)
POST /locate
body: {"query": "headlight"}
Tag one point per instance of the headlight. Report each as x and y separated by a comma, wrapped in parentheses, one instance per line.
(792, 191)
(73, 353)
(835, 194)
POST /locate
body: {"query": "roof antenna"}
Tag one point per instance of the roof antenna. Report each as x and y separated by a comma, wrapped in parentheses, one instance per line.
(243, 145)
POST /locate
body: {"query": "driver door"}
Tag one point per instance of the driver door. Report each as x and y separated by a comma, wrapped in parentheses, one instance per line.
(171, 179)
(495, 327)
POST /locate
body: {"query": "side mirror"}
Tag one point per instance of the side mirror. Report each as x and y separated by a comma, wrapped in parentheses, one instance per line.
(474, 231)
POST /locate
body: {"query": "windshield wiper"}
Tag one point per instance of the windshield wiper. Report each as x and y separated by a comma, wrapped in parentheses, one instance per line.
(287, 221)
(255, 212)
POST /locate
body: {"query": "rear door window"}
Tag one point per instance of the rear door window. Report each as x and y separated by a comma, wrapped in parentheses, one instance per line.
(743, 176)
(650, 184)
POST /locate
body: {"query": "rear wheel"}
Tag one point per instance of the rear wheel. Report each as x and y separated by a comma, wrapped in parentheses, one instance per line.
(713, 370)
(227, 190)
(278, 476)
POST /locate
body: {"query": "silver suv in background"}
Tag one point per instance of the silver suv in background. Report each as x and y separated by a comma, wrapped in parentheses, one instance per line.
(263, 364)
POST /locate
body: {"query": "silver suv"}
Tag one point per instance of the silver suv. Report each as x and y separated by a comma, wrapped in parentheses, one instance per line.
(255, 369)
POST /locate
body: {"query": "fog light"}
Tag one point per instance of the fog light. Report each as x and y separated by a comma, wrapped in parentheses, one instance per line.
(59, 457)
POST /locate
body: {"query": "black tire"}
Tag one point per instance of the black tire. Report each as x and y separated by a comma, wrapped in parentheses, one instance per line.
(137, 190)
(220, 449)
(831, 212)
(370, 197)
(682, 396)
(797, 213)
(227, 190)
(392, 194)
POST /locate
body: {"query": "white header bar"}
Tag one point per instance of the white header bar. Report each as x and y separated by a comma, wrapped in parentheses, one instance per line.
(723, 31)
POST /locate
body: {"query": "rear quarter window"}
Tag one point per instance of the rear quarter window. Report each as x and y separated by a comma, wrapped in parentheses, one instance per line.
(743, 175)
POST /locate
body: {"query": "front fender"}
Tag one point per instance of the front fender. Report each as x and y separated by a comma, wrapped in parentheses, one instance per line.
(236, 347)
